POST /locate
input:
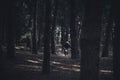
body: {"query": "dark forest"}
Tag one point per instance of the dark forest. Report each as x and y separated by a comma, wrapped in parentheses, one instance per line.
(59, 40)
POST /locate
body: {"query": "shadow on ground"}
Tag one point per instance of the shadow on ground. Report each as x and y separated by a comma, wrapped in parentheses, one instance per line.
(27, 66)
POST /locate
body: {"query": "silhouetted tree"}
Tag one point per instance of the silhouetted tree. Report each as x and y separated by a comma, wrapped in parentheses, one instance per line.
(10, 29)
(46, 58)
(116, 39)
(41, 22)
(53, 48)
(34, 32)
(108, 34)
(64, 20)
(73, 30)
(90, 40)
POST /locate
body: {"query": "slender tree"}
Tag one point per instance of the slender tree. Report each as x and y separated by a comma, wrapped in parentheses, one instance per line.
(1, 6)
(73, 30)
(53, 48)
(108, 35)
(41, 15)
(90, 40)
(116, 40)
(46, 58)
(65, 21)
(34, 34)
(10, 29)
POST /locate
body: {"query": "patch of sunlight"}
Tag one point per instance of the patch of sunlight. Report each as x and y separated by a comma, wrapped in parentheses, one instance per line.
(28, 66)
(70, 69)
(106, 71)
(54, 62)
(19, 47)
(76, 65)
(59, 49)
(76, 69)
(32, 61)
(40, 60)
(65, 68)
(60, 54)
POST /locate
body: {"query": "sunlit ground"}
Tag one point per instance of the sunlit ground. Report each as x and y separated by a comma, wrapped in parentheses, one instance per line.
(34, 65)
(61, 65)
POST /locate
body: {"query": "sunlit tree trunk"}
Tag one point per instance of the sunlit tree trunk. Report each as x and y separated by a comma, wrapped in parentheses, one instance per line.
(90, 41)
(46, 58)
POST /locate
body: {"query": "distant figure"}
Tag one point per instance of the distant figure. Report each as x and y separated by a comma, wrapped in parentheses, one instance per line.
(66, 46)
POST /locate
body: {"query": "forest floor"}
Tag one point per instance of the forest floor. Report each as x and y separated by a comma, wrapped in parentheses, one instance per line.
(28, 66)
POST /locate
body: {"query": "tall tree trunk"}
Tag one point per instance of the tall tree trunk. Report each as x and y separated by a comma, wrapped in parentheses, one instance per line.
(53, 48)
(34, 34)
(10, 30)
(73, 31)
(63, 32)
(41, 24)
(2, 31)
(90, 41)
(46, 58)
(1, 6)
(1, 35)
(116, 40)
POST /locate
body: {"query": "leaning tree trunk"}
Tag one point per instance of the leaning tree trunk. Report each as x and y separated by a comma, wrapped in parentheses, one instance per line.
(90, 41)
(46, 58)
(116, 40)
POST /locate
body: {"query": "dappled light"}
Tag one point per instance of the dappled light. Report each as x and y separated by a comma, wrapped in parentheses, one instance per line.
(69, 69)
(54, 62)
(30, 67)
(76, 66)
(32, 61)
(59, 40)
(106, 71)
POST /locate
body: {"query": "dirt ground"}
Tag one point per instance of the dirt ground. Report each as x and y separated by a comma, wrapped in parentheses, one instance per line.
(28, 66)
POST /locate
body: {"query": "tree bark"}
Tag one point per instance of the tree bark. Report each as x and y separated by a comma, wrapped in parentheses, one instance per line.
(90, 41)
(116, 40)
(46, 58)
(73, 31)
(108, 35)
(10, 30)
(40, 27)
(53, 48)
(34, 34)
